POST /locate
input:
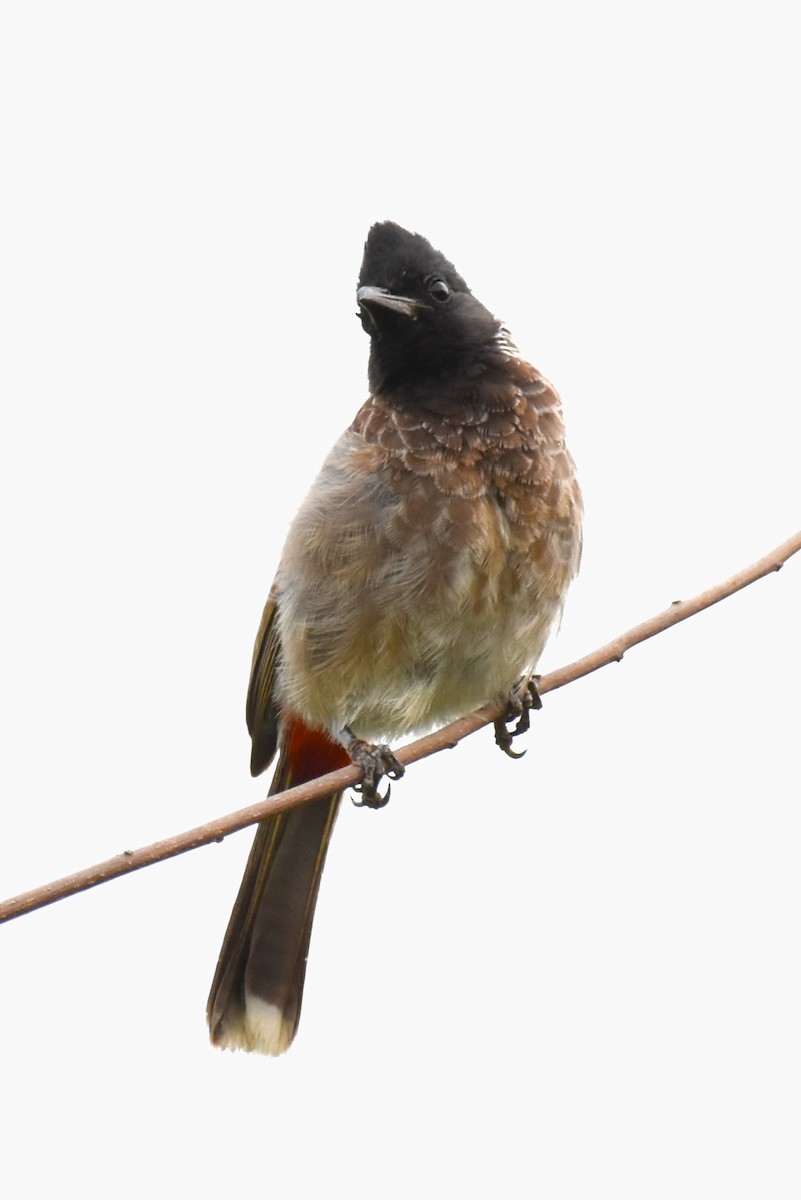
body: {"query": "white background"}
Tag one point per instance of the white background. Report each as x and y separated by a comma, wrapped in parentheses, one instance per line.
(574, 976)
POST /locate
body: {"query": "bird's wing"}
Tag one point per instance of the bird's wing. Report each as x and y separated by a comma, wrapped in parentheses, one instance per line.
(261, 710)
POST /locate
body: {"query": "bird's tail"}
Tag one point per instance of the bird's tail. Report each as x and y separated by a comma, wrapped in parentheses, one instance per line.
(255, 998)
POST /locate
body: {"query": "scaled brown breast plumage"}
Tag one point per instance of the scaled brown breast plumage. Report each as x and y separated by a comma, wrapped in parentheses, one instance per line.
(501, 438)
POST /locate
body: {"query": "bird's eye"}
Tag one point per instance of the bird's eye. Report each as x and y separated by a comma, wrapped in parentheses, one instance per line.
(438, 290)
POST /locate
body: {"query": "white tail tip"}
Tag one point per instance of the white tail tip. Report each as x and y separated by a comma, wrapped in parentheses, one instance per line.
(261, 1029)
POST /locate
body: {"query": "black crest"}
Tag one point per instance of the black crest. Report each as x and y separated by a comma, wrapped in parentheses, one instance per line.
(424, 322)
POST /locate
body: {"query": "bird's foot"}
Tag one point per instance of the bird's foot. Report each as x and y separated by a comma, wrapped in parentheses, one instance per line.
(376, 761)
(522, 699)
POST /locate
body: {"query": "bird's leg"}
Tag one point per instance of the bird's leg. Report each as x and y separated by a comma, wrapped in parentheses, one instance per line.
(522, 698)
(375, 761)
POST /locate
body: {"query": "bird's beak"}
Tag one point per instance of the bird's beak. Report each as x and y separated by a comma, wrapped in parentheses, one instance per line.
(365, 296)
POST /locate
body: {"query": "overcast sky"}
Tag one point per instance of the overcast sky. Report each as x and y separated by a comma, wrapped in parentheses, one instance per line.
(573, 976)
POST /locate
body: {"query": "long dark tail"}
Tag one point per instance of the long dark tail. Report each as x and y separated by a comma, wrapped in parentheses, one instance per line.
(255, 998)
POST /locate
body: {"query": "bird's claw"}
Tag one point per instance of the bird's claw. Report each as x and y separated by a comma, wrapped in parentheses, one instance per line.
(370, 796)
(522, 699)
(375, 761)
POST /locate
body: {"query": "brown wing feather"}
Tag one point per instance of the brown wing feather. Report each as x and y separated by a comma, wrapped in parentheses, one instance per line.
(261, 710)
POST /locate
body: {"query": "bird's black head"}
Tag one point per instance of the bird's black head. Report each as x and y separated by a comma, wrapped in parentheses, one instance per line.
(424, 322)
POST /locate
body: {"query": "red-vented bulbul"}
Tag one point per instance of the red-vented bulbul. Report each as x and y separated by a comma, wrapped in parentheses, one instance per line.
(420, 580)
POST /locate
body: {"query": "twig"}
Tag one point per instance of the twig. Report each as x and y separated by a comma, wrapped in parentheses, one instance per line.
(215, 831)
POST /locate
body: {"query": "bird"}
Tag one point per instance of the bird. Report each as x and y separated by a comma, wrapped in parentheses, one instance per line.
(420, 580)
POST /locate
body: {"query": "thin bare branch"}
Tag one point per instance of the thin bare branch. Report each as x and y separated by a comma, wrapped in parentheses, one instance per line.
(215, 831)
